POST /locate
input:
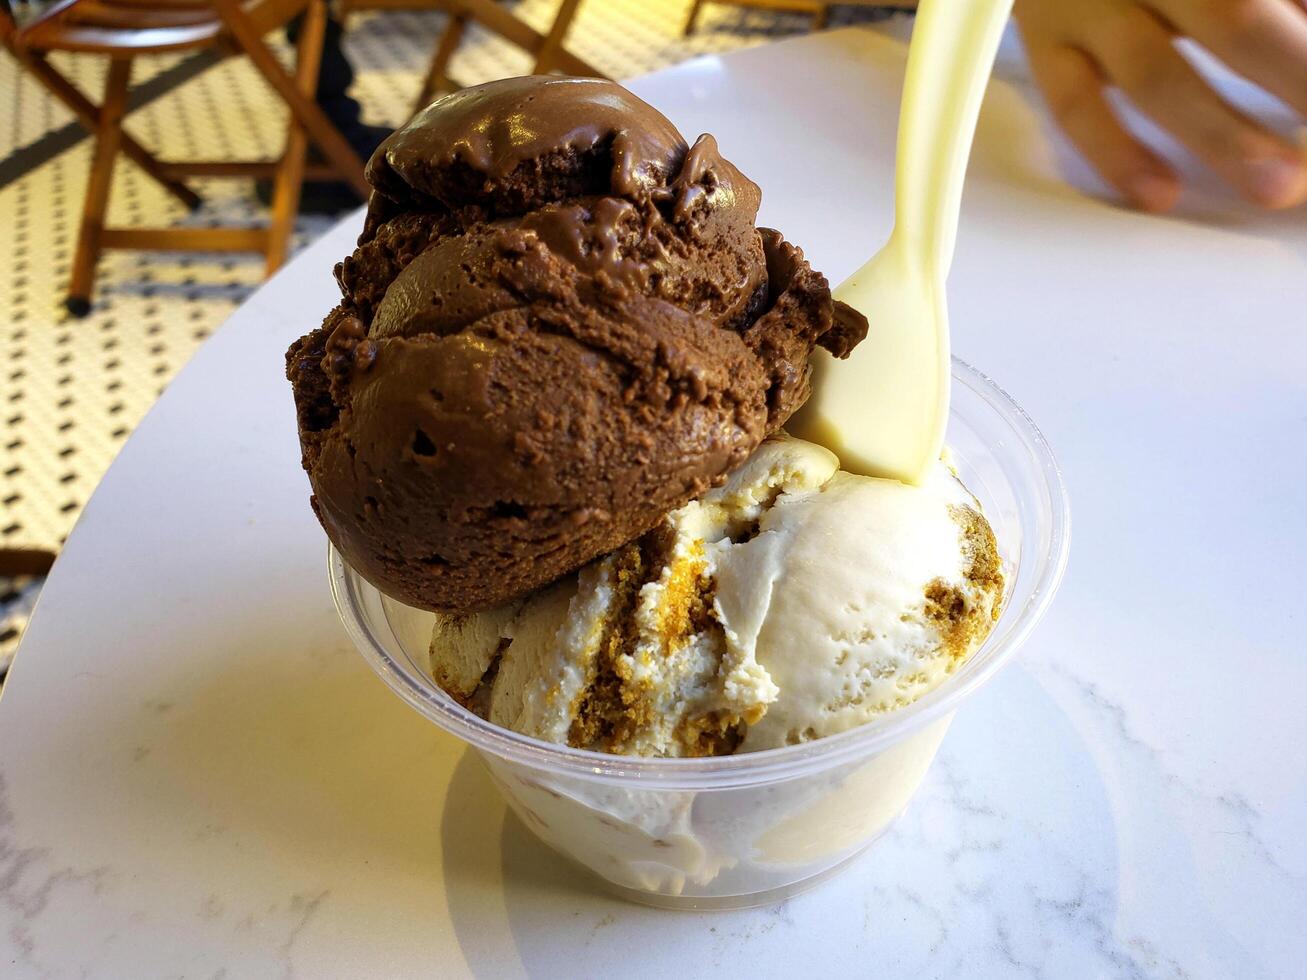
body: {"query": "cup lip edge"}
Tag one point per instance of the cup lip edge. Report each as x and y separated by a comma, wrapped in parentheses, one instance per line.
(768, 765)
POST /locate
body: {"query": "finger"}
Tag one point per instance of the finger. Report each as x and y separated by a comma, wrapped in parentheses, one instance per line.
(1138, 54)
(1265, 41)
(1073, 88)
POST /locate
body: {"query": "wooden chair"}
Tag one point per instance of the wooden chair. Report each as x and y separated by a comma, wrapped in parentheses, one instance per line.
(820, 9)
(123, 29)
(346, 7)
(550, 52)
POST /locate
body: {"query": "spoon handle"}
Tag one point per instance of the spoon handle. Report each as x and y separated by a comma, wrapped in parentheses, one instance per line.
(954, 43)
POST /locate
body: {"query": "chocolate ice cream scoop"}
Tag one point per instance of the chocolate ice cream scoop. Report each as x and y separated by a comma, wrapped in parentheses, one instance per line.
(560, 324)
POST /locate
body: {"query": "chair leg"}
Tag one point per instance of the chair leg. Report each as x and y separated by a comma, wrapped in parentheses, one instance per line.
(25, 561)
(498, 19)
(67, 93)
(108, 138)
(289, 179)
(820, 17)
(437, 78)
(547, 55)
(692, 21)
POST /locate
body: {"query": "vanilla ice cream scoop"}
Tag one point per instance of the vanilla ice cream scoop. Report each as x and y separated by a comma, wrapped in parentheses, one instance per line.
(857, 598)
(793, 602)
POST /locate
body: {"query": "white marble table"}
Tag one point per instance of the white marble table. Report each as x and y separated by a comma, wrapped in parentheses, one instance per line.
(201, 778)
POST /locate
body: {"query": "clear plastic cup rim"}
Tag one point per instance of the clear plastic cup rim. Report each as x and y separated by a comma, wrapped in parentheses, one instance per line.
(751, 768)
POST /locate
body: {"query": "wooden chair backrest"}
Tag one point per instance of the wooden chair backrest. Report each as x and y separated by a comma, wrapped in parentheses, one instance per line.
(118, 27)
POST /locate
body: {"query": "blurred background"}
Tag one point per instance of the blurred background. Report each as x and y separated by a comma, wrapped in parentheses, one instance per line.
(74, 384)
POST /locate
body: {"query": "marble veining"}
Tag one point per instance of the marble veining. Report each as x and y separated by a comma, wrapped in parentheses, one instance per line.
(30, 879)
(1236, 816)
(302, 910)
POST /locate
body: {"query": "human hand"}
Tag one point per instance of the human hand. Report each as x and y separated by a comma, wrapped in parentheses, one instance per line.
(1078, 48)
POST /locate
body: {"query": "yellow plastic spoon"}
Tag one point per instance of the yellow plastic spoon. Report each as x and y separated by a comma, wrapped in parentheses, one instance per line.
(883, 410)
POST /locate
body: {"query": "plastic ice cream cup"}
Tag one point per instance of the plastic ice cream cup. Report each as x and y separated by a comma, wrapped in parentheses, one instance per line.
(754, 828)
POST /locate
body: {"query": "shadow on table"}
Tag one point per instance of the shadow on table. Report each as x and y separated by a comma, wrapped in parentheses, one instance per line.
(995, 822)
(309, 762)
(320, 763)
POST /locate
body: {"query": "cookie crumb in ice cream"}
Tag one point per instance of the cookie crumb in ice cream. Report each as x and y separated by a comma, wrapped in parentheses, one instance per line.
(610, 708)
(965, 611)
(714, 632)
(479, 702)
(662, 602)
